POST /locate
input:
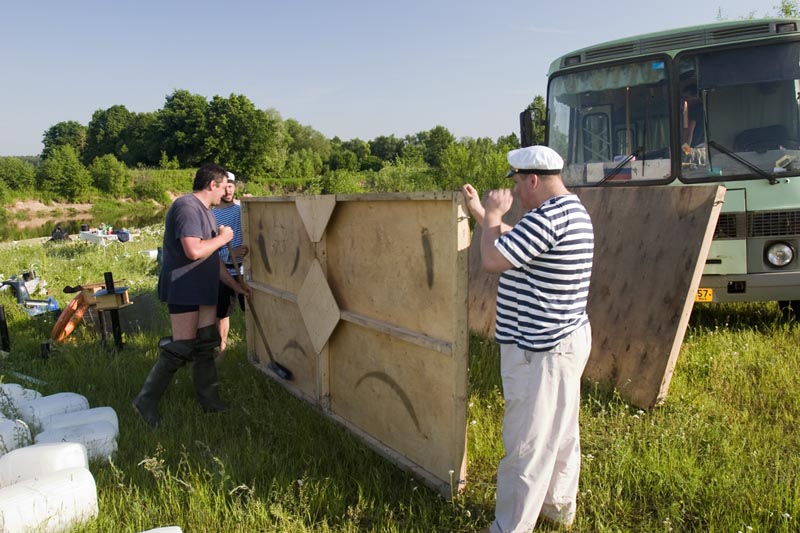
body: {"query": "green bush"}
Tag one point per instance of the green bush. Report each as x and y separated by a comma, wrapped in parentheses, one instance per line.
(110, 175)
(148, 188)
(342, 182)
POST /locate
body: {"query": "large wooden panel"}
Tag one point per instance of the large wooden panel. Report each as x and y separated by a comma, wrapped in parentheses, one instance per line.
(364, 299)
(651, 245)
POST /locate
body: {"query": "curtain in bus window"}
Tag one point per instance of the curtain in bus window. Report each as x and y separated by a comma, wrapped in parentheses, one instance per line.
(609, 78)
(750, 65)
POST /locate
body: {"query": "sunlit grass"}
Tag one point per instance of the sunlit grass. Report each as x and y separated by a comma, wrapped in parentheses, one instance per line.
(721, 454)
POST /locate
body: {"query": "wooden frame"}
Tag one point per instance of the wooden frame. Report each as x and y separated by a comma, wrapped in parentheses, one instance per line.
(363, 298)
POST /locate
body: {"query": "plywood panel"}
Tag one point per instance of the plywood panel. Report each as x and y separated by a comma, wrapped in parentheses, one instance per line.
(650, 248)
(408, 407)
(394, 260)
(289, 344)
(381, 295)
(280, 248)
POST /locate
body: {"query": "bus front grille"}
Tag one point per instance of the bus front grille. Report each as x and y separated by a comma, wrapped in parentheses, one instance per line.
(773, 223)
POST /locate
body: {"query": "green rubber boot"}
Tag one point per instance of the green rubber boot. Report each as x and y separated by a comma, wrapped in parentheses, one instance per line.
(204, 370)
(173, 355)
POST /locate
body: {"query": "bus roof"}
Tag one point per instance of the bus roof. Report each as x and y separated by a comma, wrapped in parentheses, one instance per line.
(678, 39)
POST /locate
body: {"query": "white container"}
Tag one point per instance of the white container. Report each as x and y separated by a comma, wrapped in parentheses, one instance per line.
(13, 394)
(34, 411)
(152, 254)
(13, 434)
(168, 529)
(76, 418)
(99, 438)
(51, 503)
(39, 460)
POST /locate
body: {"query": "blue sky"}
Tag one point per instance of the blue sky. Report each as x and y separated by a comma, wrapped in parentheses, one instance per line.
(348, 68)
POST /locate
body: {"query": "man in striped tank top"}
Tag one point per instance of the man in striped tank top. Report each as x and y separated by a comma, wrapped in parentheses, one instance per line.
(545, 265)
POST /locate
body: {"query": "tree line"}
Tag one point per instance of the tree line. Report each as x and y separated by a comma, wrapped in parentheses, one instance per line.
(270, 154)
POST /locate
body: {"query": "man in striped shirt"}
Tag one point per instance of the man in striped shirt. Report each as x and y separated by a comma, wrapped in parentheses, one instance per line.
(229, 213)
(545, 265)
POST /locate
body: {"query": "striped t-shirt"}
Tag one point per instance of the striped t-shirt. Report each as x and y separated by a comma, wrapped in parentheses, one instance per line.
(543, 298)
(230, 216)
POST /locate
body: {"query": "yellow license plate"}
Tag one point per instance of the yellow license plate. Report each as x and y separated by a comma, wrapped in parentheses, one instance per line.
(704, 295)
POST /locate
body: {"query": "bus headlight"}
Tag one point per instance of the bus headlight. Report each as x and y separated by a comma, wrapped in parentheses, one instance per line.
(779, 254)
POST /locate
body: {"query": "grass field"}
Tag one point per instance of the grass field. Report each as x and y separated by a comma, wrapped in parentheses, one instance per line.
(721, 454)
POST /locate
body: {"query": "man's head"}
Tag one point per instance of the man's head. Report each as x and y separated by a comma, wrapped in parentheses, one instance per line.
(208, 173)
(230, 189)
(536, 171)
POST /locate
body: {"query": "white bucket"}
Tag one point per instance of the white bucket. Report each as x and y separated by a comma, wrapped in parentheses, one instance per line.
(13, 394)
(152, 254)
(40, 460)
(13, 434)
(34, 411)
(76, 418)
(168, 529)
(50, 503)
(99, 437)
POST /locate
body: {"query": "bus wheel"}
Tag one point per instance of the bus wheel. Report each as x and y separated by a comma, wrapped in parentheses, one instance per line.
(790, 309)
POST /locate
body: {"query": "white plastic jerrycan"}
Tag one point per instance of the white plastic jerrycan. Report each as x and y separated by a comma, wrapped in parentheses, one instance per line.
(13, 434)
(99, 438)
(75, 418)
(34, 411)
(39, 460)
(49, 503)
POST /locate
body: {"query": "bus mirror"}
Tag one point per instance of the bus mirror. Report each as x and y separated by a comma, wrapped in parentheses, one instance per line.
(526, 121)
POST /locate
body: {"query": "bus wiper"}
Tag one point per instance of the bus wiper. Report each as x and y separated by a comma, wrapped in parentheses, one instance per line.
(616, 170)
(736, 157)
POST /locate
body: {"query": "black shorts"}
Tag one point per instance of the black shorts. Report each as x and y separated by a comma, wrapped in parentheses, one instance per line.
(225, 301)
(178, 309)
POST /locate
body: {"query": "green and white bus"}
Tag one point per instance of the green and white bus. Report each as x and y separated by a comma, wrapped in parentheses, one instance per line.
(707, 104)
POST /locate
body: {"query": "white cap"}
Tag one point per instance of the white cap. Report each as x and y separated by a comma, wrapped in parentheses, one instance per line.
(534, 160)
(231, 177)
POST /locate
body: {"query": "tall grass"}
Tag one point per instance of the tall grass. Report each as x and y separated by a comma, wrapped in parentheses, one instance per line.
(721, 454)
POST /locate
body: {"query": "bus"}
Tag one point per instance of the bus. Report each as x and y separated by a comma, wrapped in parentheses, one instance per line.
(713, 104)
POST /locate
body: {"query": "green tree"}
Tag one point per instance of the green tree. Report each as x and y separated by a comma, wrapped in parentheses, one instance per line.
(303, 165)
(477, 161)
(436, 141)
(63, 175)
(244, 138)
(69, 132)
(141, 141)
(110, 175)
(16, 173)
(300, 137)
(788, 9)
(387, 148)
(180, 127)
(104, 133)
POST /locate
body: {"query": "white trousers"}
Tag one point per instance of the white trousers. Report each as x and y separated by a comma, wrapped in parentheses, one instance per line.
(539, 473)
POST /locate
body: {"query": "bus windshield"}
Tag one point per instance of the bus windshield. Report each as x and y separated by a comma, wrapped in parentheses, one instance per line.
(734, 112)
(738, 112)
(612, 123)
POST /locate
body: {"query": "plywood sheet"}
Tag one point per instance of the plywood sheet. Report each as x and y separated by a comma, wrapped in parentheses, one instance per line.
(650, 248)
(376, 291)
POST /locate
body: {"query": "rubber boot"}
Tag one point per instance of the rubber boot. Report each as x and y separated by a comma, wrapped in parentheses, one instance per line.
(204, 370)
(173, 355)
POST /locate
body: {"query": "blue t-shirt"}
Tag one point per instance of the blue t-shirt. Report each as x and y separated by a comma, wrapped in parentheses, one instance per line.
(183, 281)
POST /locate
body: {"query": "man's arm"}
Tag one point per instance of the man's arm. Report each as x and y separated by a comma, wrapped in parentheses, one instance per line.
(196, 248)
(498, 203)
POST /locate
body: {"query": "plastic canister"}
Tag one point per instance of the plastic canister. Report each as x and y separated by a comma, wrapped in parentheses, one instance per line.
(54, 502)
(34, 411)
(85, 416)
(13, 393)
(99, 438)
(39, 460)
(13, 434)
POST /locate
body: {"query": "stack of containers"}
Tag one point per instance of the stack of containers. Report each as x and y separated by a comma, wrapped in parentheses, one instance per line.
(47, 486)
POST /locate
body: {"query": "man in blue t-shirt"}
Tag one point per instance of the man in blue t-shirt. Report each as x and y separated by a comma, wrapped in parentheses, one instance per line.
(190, 272)
(545, 265)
